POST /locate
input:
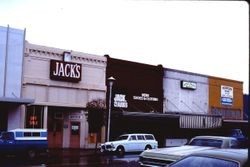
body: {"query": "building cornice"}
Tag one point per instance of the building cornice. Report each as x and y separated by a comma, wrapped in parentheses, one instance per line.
(45, 52)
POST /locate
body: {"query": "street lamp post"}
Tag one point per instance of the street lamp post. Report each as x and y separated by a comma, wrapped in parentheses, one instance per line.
(111, 81)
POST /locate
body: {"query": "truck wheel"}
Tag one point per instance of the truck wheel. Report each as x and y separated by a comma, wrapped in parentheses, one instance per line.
(120, 151)
(31, 153)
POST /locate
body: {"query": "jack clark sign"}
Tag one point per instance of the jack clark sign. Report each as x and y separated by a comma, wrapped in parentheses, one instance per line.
(120, 101)
(65, 71)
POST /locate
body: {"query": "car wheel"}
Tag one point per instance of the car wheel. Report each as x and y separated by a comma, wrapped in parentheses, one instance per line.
(148, 147)
(120, 151)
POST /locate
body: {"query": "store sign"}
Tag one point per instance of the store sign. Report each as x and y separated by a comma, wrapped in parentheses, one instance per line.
(65, 71)
(33, 121)
(145, 97)
(226, 95)
(120, 101)
(188, 85)
(75, 117)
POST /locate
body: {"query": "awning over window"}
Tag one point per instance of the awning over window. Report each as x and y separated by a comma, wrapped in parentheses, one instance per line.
(195, 121)
(16, 100)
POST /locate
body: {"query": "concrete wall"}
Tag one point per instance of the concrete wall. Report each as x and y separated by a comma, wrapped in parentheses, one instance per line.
(71, 96)
(177, 99)
(16, 117)
(234, 108)
(11, 59)
(11, 62)
(38, 85)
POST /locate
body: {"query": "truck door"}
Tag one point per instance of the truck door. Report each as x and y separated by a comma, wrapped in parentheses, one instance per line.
(7, 142)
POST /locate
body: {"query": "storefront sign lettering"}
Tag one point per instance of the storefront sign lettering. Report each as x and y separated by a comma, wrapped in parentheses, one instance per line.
(75, 116)
(120, 101)
(65, 71)
(145, 97)
(226, 95)
(33, 121)
(188, 85)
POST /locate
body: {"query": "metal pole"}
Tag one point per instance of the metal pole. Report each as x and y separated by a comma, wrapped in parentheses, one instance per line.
(109, 112)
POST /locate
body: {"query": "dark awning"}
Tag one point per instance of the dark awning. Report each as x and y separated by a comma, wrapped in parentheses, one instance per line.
(147, 114)
(16, 100)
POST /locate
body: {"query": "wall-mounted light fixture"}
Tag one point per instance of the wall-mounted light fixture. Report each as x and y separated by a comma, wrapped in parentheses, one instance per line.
(67, 57)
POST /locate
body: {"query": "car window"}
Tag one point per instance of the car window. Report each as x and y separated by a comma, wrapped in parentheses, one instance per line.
(206, 142)
(149, 137)
(198, 161)
(140, 137)
(123, 137)
(133, 137)
(234, 144)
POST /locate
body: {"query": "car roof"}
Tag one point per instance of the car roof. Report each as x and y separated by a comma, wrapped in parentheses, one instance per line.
(214, 137)
(239, 155)
(28, 130)
(137, 134)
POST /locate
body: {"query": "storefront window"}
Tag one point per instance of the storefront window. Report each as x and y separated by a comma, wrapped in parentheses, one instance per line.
(34, 117)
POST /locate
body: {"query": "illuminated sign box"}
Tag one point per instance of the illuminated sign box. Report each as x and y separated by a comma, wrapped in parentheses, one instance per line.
(65, 71)
(188, 85)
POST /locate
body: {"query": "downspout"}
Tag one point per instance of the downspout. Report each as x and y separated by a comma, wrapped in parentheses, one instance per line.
(6, 61)
(22, 76)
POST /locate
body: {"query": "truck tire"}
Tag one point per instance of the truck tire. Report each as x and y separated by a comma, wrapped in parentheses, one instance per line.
(31, 153)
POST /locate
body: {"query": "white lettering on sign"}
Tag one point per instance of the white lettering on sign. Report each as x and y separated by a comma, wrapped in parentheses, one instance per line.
(145, 97)
(75, 116)
(227, 95)
(227, 91)
(188, 85)
(120, 101)
(67, 70)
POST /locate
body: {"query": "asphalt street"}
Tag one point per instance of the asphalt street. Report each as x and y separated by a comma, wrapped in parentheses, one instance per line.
(72, 158)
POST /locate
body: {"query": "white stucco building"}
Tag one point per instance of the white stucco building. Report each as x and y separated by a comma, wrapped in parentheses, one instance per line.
(61, 83)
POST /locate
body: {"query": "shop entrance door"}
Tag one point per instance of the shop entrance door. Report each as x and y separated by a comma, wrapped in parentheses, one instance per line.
(55, 127)
(75, 135)
(55, 136)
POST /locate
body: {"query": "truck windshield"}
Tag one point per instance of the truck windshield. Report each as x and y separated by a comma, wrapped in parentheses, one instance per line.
(7, 136)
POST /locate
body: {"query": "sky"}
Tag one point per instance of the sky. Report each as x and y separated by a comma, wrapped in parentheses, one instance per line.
(204, 37)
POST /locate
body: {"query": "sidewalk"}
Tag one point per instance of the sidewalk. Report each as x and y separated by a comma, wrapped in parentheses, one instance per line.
(69, 152)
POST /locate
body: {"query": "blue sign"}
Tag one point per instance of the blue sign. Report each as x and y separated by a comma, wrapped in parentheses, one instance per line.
(227, 101)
